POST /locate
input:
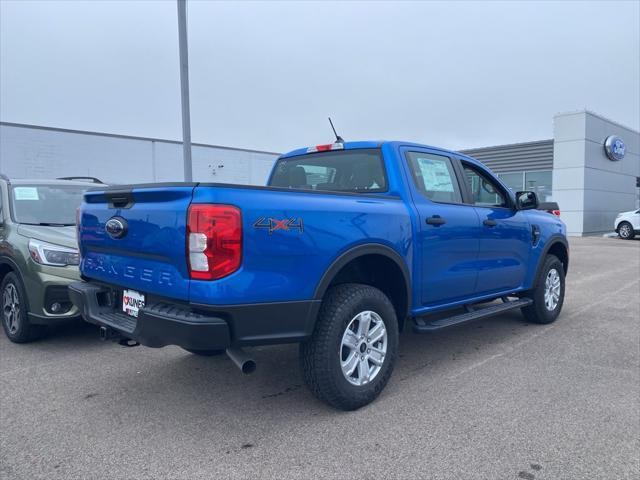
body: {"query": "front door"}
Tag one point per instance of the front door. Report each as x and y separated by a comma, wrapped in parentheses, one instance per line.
(448, 232)
(505, 240)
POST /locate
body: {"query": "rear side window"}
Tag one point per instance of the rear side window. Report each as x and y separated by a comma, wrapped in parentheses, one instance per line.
(434, 176)
(359, 171)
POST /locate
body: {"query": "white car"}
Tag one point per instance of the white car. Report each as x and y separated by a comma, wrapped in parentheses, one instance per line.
(628, 224)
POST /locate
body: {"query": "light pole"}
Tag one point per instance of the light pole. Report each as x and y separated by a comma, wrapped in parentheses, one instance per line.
(184, 89)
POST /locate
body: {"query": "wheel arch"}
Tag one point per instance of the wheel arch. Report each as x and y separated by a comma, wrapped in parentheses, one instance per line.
(557, 246)
(372, 264)
(7, 265)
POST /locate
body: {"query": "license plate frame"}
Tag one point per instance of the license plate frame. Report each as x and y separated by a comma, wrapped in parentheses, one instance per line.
(132, 302)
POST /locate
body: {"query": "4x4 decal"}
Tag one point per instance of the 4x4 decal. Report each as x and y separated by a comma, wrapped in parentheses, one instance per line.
(273, 224)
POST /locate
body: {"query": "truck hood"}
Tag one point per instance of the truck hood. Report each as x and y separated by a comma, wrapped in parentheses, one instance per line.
(65, 236)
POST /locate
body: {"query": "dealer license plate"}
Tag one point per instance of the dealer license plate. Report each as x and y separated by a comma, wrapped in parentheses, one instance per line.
(132, 302)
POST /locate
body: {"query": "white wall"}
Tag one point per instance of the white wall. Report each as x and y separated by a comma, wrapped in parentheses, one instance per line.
(590, 188)
(28, 152)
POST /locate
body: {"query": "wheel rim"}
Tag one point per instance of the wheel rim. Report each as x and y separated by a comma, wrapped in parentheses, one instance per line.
(552, 289)
(11, 308)
(625, 230)
(364, 348)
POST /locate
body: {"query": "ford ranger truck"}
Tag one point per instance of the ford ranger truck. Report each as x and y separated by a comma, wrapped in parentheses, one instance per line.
(347, 244)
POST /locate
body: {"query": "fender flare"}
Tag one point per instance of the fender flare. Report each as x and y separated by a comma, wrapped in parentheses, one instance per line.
(360, 251)
(16, 270)
(553, 240)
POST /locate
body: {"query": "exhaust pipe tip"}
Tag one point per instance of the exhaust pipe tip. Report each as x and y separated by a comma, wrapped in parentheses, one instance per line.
(248, 367)
(242, 360)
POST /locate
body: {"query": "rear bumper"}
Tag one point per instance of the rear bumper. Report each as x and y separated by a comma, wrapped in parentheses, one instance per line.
(195, 327)
(158, 324)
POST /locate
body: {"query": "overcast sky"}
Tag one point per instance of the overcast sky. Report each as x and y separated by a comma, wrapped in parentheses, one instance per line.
(266, 75)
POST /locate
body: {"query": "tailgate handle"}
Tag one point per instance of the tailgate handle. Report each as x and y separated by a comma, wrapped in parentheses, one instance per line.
(121, 199)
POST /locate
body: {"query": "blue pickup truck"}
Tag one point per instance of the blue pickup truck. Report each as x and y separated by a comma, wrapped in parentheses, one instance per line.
(348, 244)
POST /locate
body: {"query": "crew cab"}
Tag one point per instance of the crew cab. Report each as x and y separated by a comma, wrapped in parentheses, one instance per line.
(347, 244)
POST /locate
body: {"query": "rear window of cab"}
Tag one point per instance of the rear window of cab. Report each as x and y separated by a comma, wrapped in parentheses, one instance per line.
(359, 171)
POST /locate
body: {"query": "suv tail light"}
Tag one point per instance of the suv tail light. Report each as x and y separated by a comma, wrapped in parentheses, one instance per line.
(214, 240)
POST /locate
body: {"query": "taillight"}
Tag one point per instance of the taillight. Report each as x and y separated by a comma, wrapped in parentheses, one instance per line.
(214, 240)
(556, 212)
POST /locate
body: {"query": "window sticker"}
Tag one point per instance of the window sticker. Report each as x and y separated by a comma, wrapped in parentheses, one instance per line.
(435, 175)
(25, 193)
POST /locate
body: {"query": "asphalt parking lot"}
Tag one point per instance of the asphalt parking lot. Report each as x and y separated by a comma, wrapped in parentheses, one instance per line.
(498, 399)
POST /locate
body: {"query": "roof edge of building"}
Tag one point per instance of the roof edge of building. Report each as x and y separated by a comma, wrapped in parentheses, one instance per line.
(130, 137)
(508, 145)
(601, 117)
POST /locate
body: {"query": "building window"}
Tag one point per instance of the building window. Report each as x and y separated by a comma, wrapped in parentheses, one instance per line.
(515, 181)
(539, 182)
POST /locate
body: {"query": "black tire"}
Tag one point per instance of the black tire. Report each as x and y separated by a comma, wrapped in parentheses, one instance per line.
(321, 355)
(625, 231)
(15, 315)
(538, 311)
(206, 353)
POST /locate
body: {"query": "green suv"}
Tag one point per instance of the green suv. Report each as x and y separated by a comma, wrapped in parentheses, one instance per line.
(38, 253)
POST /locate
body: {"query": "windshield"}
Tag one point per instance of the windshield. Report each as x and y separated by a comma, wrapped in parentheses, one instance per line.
(359, 171)
(46, 204)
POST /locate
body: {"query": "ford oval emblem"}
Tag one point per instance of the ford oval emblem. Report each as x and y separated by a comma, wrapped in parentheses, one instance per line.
(615, 148)
(116, 227)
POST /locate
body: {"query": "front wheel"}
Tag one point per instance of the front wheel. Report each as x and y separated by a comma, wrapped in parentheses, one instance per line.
(625, 231)
(548, 295)
(15, 317)
(351, 354)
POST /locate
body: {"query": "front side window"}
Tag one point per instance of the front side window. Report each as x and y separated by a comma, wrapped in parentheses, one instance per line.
(46, 204)
(434, 177)
(360, 170)
(484, 191)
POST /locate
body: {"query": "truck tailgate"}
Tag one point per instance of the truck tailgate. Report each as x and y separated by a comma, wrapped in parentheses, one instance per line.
(150, 255)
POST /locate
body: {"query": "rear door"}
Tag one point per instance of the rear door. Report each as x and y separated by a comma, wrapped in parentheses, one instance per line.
(447, 244)
(135, 238)
(505, 233)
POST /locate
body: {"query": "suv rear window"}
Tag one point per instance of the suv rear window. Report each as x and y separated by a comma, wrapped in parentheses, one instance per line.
(359, 171)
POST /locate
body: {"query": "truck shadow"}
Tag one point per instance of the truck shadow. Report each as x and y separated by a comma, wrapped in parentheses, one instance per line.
(141, 377)
(177, 377)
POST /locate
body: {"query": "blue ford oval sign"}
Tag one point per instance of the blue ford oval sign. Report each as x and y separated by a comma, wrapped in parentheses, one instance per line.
(615, 148)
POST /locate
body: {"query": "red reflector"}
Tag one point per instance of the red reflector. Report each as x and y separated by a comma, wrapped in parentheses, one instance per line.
(220, 253)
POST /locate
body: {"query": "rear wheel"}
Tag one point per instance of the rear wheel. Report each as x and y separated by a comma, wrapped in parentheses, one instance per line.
(625, 231)
(351, 354)
(15, 318)
(548, 295)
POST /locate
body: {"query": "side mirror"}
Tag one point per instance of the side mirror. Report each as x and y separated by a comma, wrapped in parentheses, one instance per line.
(526, 200)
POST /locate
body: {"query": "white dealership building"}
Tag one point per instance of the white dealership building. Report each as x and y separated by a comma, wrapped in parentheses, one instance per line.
(591, 179)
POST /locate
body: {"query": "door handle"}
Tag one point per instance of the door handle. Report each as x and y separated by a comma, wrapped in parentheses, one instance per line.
(436, 220)
(490, 223)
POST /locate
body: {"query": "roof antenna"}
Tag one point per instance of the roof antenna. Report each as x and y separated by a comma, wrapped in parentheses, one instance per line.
(339, 139)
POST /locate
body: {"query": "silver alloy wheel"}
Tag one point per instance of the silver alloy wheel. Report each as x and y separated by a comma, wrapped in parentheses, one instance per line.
(625, 230)
(363, 348)
(11, 307)
(552, 290)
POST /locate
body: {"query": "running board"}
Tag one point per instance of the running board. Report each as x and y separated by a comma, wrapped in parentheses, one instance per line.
(420, 325)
